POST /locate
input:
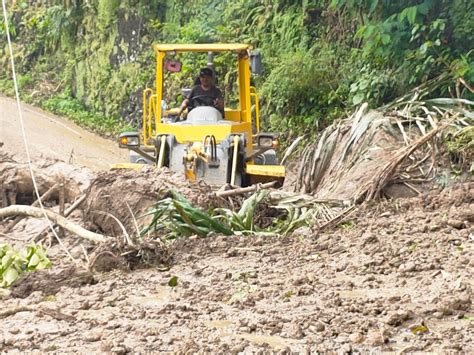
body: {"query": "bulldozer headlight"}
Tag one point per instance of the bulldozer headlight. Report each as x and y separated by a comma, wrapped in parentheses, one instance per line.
(129, 139)
(267, 140)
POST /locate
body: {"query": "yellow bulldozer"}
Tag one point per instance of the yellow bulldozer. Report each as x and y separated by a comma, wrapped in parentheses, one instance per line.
(217, 146)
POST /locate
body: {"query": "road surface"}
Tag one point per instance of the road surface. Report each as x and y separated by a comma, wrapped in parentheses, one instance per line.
(50, 136)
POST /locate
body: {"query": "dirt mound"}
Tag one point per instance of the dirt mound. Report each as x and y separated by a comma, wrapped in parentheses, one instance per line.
(49, 282)
(119, 192)
(17, 185)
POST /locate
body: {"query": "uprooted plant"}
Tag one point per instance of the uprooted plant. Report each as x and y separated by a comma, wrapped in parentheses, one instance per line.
(175, 216)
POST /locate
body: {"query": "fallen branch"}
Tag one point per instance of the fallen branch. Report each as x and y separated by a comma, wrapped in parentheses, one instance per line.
(11, 311)
(44, 311)
(381, 178)
(20, 210)
(243, 190)
(66, 214)
(338, 219)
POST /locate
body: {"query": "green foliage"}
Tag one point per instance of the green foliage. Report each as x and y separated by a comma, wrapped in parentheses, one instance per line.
(73, 108)
(460, 145)
(173, 281)
(175, 216)
(106, 10)
(304, 87)
(376, 86)
(14, 263)
(321, 57)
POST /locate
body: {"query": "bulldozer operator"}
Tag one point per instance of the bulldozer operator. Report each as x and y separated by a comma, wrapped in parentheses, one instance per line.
(205, 93)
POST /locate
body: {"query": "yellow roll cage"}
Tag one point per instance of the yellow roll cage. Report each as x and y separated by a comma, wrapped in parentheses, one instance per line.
(152, 110)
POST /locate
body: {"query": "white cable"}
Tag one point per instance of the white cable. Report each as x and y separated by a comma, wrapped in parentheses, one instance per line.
(25, 141)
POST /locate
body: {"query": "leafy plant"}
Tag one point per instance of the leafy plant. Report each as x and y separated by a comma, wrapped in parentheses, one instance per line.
(175, 216)
(14, 263)
(173, 282)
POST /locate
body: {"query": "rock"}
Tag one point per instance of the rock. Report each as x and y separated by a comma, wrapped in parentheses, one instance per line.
(319, 326)
(86, 305)
(93, 336)
(118, 350)
(407, 267)
(438, 315)
(113, 325)
(356, 338)
(14, 330)
(295, 331)
(396, 318)
(346, 349)
(9, 341)
(375, 338)
(455, 223)
(459, 303)
(435, 228)
(297, 281)
(232, 252)
(282, 350)
(238, 349)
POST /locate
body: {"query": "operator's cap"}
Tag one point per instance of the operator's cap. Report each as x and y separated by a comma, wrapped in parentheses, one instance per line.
(206, 72)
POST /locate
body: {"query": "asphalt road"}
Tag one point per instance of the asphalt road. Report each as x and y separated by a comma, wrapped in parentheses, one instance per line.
(51, 136)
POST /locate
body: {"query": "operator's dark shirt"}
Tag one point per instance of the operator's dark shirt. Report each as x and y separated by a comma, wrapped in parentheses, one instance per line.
(207, 99)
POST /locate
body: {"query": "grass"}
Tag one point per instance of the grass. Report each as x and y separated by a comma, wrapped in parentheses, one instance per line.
(75, 110)
(65, 105)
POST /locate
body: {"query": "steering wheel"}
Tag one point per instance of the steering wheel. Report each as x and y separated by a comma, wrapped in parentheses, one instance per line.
(200, 102)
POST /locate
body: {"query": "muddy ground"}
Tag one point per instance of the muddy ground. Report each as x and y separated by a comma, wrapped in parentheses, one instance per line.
(396, 276)
(55, 137)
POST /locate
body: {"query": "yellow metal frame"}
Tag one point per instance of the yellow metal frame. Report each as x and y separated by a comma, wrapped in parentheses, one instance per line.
(253, 93)
(265, 170)
(152, 110)
(205, 47)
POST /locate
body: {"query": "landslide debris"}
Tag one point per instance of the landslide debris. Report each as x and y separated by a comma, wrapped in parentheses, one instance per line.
(128, 194)
(17, 184)
(395, 151)
(396, 276)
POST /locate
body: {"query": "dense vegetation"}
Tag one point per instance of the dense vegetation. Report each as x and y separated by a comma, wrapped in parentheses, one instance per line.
(91, 59)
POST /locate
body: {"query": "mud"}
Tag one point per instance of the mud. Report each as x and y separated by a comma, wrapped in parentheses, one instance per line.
(70, 277)
(17, 183)
(54, 137)
(396, 276)
(119, 192)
